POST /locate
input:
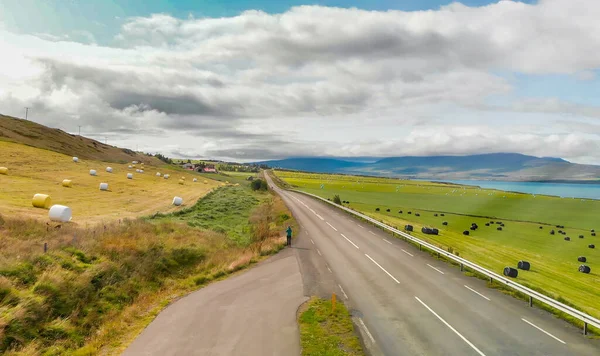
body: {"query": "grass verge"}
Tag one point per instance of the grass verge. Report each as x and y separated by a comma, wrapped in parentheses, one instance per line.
(324, 331)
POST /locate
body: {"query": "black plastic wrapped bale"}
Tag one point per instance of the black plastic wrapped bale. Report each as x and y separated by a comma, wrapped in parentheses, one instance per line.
(445, 223)
(417, 214)
(400, 212)
(377, 209)
(592, 246)
(581, 259)
(466, 232)
(524, 265)
(435, 231)
(499, 228)
(487, 224)
(581, 236)
(491, 222)
(560, 231)
(473, 224)
(592, 230)
(584, 269)
(388, 210)
(593, 234)
(408, 228)
(473, 228)
(445, 215)
(435, 214)
(541, 227)
(410, 212)
(551, 232)
(426, 230)
(567, 238)
(511, 272)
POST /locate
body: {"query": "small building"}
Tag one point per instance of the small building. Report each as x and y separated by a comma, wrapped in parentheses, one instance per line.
(209, 170)
(188, 166)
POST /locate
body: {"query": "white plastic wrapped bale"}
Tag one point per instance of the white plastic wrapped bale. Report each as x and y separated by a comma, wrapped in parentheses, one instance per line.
(141, 171)
(166, 176)
(109, 169)
(92, 172)
(158, 174)
(103, 186)
(177, 201)
(60, 213)
(195, 179)
(129, 175)
(130, 166)
(135, 162)
(75, 159)
(137, 171)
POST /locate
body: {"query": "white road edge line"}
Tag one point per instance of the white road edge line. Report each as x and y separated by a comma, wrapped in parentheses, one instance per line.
(383, 269)
(311, 240)
(408, 253)
(544, 331)
(319, 216)
(362, 323)
(450, 326)
(342, 289)
(331, 226)
(476, 292)
(359, 225)
(347, 239)
(319, 252)
(435, 268)
(386, 241)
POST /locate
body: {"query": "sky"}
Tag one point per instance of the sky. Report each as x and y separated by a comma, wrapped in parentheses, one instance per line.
(253, 80)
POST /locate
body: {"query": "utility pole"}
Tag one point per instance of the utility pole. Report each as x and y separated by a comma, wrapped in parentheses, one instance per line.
(26, 112)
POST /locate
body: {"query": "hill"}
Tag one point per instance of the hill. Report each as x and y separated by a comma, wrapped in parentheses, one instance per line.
(32, 134)
(498, 166)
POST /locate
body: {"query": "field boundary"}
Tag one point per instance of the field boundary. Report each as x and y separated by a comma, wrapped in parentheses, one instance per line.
(532, 294)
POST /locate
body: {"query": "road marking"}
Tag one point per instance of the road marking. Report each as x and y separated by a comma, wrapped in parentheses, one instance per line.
(366, 330)
(359, 225)
(312, 241)
(329, 269)
(372, 233)
(383, 269)
(544, 331)
(331, 226)
(435, 268)
(306, 231)
(342, 289)
(386, 241)
(319, 252)
(319, 216)
(476, 292)
(406, 252)
(347, 239)
(450, 326)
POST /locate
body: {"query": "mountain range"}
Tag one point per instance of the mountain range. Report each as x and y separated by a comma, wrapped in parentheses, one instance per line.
(492, 166)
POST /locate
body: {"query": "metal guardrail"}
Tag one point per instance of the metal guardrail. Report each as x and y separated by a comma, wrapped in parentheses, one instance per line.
(585, 318)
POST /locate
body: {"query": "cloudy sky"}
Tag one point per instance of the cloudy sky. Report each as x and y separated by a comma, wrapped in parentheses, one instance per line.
(251, 80)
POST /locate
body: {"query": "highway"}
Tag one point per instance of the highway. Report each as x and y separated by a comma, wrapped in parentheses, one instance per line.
(409, 303)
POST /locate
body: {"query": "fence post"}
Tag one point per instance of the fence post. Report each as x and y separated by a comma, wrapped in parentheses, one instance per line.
(45, 247)
(333, 302)
(530, 301)
(491, 280)
(584, 328)
(462, 267)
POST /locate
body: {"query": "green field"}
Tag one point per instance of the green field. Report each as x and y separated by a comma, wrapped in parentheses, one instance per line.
(553, 260)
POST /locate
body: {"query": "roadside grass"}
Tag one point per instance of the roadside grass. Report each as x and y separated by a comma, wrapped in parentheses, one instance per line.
(34, 170)
(554, 270)
(97, 288)
(324, 332)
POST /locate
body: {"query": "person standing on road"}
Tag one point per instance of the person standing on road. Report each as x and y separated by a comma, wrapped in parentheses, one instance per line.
(289, 236)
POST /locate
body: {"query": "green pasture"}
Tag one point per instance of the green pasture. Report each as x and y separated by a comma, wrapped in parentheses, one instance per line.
(553, 260)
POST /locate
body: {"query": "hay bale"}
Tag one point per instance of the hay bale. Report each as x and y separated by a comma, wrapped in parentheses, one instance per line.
(410, 212)
(435, 214)
(42, 201)
(584, 269)
(472, 228)
(388, 210)
(581, 236)
(67, 183)
(435, 231)
(551, 232)
(75, 159)
(511, 272)
(103, 186)
(92, 172)
(499, 228)
(524, 265)
(417, 214)
(426, 230)
(399, 211)
(60, 213)
(130, 166)
(442, 215)
(195, 180)
(445, 223)
(129, 175)
(158, 174)
(592, 230)
(109, 169)
(205, 181)
(134, 162)
(541, 227)
(166, 176)
(408, 227)
(177, 201)
(141, 171)
(581, 259)
(3, 170)
(592, 246)
(183, 178)
(487, 224)
(181, 181)
(466, 232)
(567, 238)
(376, 209)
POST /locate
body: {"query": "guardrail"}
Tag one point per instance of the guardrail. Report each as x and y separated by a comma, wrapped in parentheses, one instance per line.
(585, 318)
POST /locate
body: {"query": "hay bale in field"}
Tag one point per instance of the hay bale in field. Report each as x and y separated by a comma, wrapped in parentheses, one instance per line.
(92, 172)
(376, 209)
(524, 265)
(435, 214)
(141, 171)
(487, 224)
(67, 183)
(129, 175)
(166, 176)
(408, 227)
(388, 210)
(541, 227)
(158, 174)
(195, 180)
(511, 272)
(181, 181)
(592, 246)
(581, 259)
(183, 178)
(584, 269)
(60, 213)
(499, 222)
(435, 231)
(445, 223)
(205, 182)
(551, 232)
(426, 230)
(567, 238)
(4, 171)
(581, 236)
(410, 212)
(75, 159)
(442, 215)
(399, 211)
(417, 214)
(593, 234)
(472, 228)
(109, 169)
(177, 201)
(103, 186)
(42, 201)
(592, 230)
(134, 162)
(130, 167)
(499, 228)
(466, 232)
(560, 231)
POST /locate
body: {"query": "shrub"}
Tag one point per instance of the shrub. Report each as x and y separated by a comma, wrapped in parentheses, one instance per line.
(259, 184)
(337, 200)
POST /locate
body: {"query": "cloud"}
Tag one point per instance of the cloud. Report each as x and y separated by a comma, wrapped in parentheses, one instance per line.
(314, 80)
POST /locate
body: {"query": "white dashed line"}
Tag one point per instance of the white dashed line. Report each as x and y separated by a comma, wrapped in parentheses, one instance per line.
(306, 231)
(319, 252)
(347, 239)
(359, 225)
(544, 331)
(312, 241)
(319, 216)
(383, 269)
(406, 252)
(450, 326)
(476, 292)
(331, 226)
(387, 241)
(372, 233)
(342, 289)
(366, 330)
(435, 268)
(329, 269)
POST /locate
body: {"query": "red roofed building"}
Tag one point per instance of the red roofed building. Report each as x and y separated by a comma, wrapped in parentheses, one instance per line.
(209, 170)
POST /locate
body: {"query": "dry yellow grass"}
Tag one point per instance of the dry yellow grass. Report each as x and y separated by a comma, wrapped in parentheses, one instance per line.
(33, 170)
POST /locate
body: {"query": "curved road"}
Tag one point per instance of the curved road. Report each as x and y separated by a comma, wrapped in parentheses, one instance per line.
(411, 304)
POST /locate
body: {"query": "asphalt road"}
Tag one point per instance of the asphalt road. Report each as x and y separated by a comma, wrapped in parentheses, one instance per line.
(409, 303)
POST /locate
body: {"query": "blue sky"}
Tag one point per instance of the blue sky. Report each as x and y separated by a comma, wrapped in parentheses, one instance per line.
(345, 78)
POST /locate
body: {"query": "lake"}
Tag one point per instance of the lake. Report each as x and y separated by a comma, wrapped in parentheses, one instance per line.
(567, 190)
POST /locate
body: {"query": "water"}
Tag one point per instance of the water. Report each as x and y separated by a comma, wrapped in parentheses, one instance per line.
(566, 190)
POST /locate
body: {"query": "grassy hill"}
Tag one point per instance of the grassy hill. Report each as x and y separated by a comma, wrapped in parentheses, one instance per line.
(31, 134)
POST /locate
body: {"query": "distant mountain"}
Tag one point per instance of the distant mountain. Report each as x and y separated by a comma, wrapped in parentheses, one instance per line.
(498, 166)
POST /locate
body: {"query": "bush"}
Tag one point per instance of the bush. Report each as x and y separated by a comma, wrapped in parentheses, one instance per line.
(337, 200)
(259, 184)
